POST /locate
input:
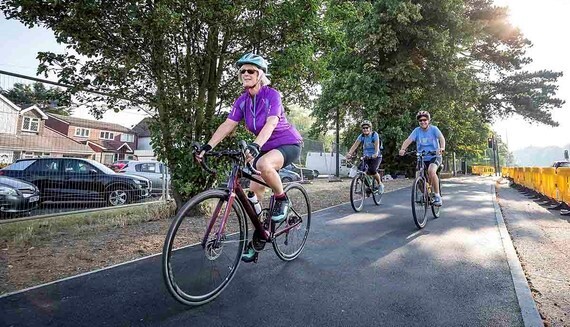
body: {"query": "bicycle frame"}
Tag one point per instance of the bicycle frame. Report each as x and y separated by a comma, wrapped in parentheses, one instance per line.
(236, 190)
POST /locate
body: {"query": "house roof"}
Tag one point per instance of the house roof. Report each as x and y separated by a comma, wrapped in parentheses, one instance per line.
(34, 107)
(90, 123)
(10, 103)
(50, 141)
(141, 129)
(109, 145)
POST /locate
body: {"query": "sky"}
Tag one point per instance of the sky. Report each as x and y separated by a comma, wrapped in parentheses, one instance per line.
(544, 22)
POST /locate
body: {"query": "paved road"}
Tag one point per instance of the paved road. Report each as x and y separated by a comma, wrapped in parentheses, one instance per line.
(368, 269)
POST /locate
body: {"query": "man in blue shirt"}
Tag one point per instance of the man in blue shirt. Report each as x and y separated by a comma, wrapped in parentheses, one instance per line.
(371, 148)
(428, 138)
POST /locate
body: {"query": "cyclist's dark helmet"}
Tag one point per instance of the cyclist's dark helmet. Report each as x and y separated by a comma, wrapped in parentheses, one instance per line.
(253, 59)
(423, 113)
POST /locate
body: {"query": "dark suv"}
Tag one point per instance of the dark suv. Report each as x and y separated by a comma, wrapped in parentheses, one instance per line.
(74, 179)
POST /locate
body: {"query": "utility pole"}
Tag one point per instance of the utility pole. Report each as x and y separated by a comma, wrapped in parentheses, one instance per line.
(337, 146)
(497, 141)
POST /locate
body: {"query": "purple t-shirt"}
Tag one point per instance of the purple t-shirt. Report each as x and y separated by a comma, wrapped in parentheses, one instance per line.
(266, 103)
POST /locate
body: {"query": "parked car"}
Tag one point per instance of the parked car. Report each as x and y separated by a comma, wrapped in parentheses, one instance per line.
(17, 196)
(118, 165)
(557, 164)
(307, 173)
(75, 179)
(286, 176)
(155, 171)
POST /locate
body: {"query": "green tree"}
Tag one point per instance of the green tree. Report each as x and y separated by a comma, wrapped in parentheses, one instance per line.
(176, 58)
(459, 59)
(53, 100)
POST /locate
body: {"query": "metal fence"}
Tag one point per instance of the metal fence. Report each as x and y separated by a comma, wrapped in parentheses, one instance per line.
(52, 162)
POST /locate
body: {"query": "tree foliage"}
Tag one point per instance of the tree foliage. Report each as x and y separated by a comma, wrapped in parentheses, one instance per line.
(51, 99)
(176, 58)
(459, 59)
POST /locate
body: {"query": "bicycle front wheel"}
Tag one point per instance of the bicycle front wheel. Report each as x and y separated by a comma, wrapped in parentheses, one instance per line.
(376, 195)
(419, 202)
(290, 236)
(435, 210)
(199, 258)
(357, 192)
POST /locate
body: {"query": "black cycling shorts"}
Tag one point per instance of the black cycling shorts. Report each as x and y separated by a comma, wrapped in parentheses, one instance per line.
(290, 152)
(434, 160)
(373, 164)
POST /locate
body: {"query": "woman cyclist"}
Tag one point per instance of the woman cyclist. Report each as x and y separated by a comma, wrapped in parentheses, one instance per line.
(277, 143)
(371, 146)
(428, 138)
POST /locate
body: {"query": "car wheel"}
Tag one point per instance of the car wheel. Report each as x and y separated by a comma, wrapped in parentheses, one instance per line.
(118, 196)
(316, 173)
(286, 180)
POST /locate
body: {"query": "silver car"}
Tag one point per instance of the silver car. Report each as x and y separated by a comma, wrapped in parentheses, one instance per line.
(155, 171)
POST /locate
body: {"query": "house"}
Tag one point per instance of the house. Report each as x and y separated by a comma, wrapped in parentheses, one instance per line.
(143, 149)
(24, 134)
(109, 141)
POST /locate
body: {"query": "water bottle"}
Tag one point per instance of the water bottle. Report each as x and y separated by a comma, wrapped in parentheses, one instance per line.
(253, 199)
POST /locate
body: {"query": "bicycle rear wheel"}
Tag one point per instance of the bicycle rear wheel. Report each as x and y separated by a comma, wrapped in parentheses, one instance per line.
(198, 259)
(419, 202)
(290, 236)
(357, 192)
(376, 195)
(435, 210)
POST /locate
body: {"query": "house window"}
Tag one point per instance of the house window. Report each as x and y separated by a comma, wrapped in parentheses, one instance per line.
(81, 132)
(127, 138)
(30, 124)
(107, 136)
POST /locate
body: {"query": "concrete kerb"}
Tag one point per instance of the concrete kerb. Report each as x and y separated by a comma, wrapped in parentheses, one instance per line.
(529, 311)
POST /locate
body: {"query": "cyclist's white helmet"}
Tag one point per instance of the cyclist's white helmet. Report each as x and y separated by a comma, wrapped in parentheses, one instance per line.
(423, 113)
(366, 122)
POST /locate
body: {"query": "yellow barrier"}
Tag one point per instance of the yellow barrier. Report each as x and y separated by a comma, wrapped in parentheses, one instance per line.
(563, 183)
(483, 170)
(548, 186)
(552, 182)
(536, 178)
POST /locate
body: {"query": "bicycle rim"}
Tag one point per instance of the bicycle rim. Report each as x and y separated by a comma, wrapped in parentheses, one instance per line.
(357, 193)
(376, 195)
(195, 274)
(419, 202)
(291, 235)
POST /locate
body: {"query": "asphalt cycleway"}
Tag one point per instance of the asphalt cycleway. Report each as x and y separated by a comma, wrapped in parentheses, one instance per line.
(371, 268)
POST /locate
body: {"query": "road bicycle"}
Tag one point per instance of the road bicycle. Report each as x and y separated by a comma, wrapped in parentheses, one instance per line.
(422, 195)
(363, 186)
(203, 248)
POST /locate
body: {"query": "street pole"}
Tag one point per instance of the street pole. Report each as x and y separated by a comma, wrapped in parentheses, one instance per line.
(337, 147)
(498, 160)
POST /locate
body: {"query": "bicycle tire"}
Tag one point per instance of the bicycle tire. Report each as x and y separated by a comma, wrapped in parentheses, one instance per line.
(299, 217)
(419, 202)
(435, 210)
(376, 196)
(357, 187)
(183, 257)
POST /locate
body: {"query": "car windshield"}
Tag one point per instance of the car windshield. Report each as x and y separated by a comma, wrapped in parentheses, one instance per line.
(101, 166)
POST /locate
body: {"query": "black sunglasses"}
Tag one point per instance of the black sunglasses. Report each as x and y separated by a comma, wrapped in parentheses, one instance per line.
(249, 71)
(365, 127)
(422, 120)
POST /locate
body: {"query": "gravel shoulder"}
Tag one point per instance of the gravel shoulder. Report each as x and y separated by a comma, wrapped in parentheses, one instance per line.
(542, 241)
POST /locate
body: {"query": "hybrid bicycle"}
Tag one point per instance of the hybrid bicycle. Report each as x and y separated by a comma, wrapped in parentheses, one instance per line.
(363, 186)
(203, 248)
(422, 194)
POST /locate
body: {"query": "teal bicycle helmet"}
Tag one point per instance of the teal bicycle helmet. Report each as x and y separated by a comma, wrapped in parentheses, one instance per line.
(253, 59)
